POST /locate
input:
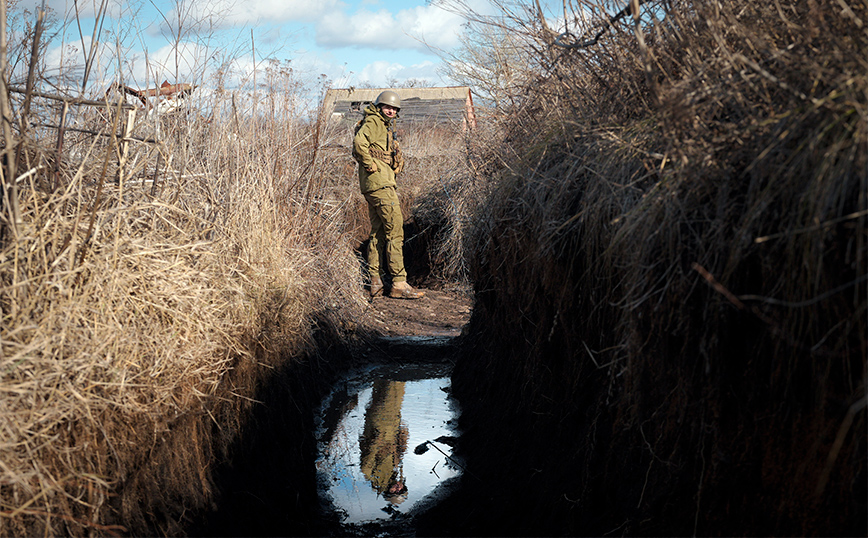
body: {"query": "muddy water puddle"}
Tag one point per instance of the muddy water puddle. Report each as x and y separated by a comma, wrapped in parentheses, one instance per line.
(385, 445)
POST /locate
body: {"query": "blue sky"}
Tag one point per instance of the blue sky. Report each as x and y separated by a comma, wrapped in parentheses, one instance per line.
(351, 43)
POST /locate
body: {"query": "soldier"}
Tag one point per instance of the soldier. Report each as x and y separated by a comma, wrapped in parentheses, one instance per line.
(376, 150)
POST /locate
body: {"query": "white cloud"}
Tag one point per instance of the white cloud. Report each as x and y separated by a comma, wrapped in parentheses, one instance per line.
(439, 28)
(187, 62)
(378, 73)
(241, 12)
(414, 28)
(60, 7)
(63, 64)
(381, 73)
(66, 9)
(184, 62)
(61, 58)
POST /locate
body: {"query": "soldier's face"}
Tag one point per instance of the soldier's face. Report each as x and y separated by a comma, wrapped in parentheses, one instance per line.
(389, 111)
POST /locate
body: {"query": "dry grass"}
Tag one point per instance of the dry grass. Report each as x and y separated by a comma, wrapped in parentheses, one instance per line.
(680, 230)
(442, 194)
(128, 305)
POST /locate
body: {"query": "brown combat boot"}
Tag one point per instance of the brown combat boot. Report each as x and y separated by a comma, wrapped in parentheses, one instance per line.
(376, 286)
(402, 290)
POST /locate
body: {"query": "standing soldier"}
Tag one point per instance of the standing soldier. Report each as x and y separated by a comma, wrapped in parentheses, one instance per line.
(376, 150)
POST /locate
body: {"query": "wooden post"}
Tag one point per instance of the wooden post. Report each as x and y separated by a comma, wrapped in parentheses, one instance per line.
(58, 157)
(156, 173)
(10, 173)
(124, 146)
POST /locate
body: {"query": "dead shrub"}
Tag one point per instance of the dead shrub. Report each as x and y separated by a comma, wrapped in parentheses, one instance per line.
(146, 300)
(671, 272)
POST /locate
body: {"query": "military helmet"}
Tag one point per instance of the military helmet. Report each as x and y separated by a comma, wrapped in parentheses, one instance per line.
(388, 97)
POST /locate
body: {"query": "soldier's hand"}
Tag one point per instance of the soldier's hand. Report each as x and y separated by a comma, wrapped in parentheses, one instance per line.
(398, 162)
(372, 169)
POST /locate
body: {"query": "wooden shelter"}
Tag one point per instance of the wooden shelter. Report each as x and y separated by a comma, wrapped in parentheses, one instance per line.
(450, 105)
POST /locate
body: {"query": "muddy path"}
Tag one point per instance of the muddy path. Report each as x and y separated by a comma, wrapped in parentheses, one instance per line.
(442, 312)
(387, 427)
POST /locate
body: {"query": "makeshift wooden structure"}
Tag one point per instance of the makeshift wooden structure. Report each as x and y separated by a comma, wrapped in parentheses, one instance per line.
(449, 105)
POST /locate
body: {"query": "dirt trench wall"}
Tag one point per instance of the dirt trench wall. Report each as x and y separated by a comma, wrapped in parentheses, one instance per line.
(607, 387)
(243, 464)
(669, 334)
(672, 346)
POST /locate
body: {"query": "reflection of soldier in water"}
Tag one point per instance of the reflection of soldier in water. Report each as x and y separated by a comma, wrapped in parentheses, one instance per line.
(384, 441)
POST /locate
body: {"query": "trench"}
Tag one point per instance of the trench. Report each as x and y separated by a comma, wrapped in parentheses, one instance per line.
(344, 443)
(360, 443)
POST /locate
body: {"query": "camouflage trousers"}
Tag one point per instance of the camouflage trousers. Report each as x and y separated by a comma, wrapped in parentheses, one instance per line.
(386, 248)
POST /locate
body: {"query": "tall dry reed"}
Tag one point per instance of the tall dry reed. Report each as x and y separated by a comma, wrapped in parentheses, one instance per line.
(145, 276)
(671, 271)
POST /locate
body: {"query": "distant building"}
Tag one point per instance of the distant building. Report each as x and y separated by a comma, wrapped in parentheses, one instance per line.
(451, 105)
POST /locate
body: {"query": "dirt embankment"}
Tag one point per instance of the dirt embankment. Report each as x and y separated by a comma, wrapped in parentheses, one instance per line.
(669, 328)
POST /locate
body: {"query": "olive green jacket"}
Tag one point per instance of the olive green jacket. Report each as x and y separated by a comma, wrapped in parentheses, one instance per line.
(374, 133)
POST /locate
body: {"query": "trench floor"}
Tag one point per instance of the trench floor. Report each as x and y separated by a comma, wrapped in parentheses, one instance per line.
(443, 311)
(403, 379)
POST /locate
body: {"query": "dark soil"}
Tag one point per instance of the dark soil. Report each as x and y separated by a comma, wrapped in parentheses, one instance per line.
(441, 312)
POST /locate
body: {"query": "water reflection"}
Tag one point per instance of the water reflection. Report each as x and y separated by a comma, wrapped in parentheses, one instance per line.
(384, 441)
(369, 472)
